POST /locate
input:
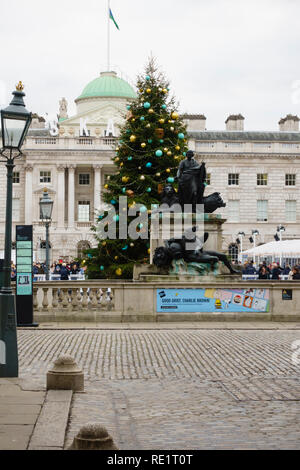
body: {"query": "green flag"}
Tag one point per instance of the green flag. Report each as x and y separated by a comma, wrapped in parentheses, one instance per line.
(112, 18)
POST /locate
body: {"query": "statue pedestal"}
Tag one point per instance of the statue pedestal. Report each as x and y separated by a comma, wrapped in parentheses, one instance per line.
(167, 229)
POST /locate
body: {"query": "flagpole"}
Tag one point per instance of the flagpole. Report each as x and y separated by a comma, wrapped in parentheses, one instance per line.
(108, 37)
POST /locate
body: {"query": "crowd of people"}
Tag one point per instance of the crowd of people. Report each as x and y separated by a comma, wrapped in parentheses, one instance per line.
(272, 271)
(60, 268)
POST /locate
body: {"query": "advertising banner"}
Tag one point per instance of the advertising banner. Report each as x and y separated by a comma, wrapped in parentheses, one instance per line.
(212, 300)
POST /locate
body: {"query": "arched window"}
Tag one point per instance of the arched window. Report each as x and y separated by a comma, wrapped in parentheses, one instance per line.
(81, 247)
(233, 252)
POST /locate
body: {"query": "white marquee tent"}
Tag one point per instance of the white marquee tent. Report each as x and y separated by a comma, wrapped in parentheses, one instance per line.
(281, 249)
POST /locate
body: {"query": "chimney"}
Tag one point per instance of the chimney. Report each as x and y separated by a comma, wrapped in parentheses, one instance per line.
(194, 122)
(289, 123)
(235, 122)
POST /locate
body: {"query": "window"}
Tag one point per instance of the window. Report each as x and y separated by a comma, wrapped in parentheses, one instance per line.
(290, 211)
(207, 181)
(83, 211)
(233, 211)
(262, 179)
(16, 177)
(290, 180)
(233, 252)
(84, 178)
(45, 176)
(16, 210)
(262, 211)
(233, 179)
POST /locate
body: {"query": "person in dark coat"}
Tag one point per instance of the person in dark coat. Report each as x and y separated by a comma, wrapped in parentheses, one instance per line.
(263, 273)
(64, 273)
(276, 271)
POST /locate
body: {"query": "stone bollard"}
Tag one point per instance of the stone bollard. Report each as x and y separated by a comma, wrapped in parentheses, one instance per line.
(65, 375)
(93, 437)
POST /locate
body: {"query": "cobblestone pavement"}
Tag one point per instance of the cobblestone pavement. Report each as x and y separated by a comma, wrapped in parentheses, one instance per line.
(179, 389)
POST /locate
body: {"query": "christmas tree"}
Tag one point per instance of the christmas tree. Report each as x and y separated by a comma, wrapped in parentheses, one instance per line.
(152, 143)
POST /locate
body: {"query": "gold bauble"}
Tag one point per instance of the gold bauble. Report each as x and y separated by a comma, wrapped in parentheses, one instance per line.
(165, 91)
(177, 147)
(104, 244)
(117, 159)
(166, 149)
(133, 120)
(106, 186)
(168, 170)
(142, 177)
(148, 90)
(157, 174)
(131, 244)
(161, 121)
(119, 272)
(151, 111)
(149, 251)
(117, 149)
(169, 153)
(175, 115)
(143, 145)
(121, 164)
(141, 90)
(172, 129)
(125, 179)
(148, 126)
(132, 138)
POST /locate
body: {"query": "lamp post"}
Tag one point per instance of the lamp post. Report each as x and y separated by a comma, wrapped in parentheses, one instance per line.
(280, 230)
(46, 206)
(254, 235)
(15, 122)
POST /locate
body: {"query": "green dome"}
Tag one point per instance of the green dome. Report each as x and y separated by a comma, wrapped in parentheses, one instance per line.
(108, 84)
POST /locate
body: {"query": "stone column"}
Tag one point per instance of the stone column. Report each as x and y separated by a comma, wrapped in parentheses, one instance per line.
(71, 197)
(28, 194)
(60, 196)
(97, 187)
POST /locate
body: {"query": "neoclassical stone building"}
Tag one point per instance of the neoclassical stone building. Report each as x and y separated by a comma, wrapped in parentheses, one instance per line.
(257, 173)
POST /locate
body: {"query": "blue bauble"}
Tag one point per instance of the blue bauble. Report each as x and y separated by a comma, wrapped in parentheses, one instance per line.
(158, 153)
(181, 136)
(148, 165)
(170, 180)
(147, 105)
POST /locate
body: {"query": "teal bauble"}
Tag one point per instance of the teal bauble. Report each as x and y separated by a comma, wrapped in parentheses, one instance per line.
(142, 118)
(150, 141)
(181, 136)
(128, 107)
(158, 153)
(140, 226)
(124, 190)
(148, 165)
(101, 268)
(161, 141)
(170, 180)
(147, 105)
(113, 202)
(164, 106)
(125, 248)
(129, 159)
(147, 78)
(143, 209)
(184, 154)
(116, 218)
(149, 190)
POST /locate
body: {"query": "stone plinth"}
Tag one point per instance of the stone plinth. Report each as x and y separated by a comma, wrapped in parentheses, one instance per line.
(65, 375)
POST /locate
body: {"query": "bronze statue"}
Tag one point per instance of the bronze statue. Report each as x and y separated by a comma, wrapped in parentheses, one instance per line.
(178, 249)
(191, 178)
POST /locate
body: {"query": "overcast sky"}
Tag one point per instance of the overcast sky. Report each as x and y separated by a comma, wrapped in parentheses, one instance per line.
(221, 56)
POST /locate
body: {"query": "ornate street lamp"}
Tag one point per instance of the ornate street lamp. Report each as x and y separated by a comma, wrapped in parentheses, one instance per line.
(15, 122)
(46, 206)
